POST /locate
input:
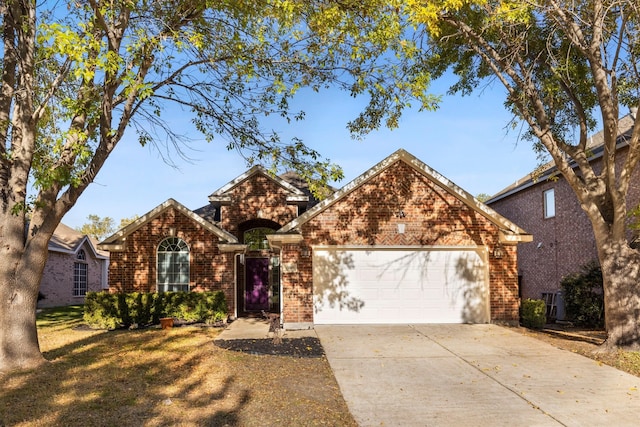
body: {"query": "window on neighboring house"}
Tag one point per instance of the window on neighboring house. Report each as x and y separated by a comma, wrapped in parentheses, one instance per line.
(549, 203)
(256, 238)
(173, 265)
(80, 274)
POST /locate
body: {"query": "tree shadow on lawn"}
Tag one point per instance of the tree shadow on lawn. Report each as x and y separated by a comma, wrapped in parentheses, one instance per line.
(147, 377)
(69, 315)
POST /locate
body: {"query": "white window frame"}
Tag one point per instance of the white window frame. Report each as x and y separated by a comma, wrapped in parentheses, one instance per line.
(80, 274)
(173, 265)
(549, 203)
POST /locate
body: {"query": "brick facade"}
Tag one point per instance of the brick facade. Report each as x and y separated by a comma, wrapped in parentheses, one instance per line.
(134, 269)
(369, 216)
(258, 197)
(366, 216)
(297, 286)
(561, 244)
(58, 281)
(257, 201)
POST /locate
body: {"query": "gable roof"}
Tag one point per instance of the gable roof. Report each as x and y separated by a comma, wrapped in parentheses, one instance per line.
(211, 211)
(595, 145)
(221, 194)
(512, 232)
(67, 240)
(116, 241)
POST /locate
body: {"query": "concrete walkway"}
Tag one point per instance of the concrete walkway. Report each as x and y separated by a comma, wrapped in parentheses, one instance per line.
(256, 328)
(472, 375)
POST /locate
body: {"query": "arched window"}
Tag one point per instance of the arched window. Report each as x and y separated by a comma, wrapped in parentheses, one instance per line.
(256, 238)
(173, 265)
(80, 274)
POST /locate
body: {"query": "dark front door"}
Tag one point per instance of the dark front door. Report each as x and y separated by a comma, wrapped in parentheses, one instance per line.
(256, 293)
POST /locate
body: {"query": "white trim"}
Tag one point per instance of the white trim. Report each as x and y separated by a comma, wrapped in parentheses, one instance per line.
(115, 242)
(512, 239)
(236, 297)
(157, 257)
(75, 250)
(277, 240)
(231, 247)
(549, 203)
(76, 282)
(298, 198)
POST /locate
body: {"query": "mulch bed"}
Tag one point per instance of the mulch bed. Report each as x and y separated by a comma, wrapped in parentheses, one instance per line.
(295, 347)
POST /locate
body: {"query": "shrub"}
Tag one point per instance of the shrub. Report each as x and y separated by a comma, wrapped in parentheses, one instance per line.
(583, 296)
(139, 307)
(101, 310)
(157, 307)
(534, 313)
(110, 311)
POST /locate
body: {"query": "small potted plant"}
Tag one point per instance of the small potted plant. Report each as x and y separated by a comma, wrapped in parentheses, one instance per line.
(166, 322)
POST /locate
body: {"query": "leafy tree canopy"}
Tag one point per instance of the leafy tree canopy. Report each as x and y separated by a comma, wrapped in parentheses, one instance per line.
(103, 67)
(76, 75)
(97, 227)
(567, 67)
(126, 221)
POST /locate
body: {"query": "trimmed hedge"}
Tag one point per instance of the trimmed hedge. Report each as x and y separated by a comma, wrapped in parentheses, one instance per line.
(104, 310)
(534, 313)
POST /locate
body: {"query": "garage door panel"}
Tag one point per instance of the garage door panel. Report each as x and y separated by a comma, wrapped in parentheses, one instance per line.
(399, 286)
(369, 294)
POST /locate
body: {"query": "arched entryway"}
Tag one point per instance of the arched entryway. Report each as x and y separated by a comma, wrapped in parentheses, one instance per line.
(258, 269)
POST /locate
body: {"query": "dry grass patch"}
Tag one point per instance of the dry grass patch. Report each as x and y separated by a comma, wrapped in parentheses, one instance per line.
(582, 342)
(160, 377)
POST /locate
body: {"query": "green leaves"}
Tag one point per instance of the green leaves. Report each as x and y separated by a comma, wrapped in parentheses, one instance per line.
(103, 67)
(98, 228)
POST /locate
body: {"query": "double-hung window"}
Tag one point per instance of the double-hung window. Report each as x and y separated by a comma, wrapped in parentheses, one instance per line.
(173, 265)
(80, 274)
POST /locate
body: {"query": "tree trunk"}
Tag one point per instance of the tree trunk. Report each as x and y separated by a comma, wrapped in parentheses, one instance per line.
(19, 284)
(621, 274)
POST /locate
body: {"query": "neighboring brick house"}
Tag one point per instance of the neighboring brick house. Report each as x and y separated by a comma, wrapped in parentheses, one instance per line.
(544, 204)
(398, 244)
(74, 267)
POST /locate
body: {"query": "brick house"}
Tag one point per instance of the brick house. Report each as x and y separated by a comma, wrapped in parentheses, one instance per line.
(544, 204)
(74, 266)
(399, 244)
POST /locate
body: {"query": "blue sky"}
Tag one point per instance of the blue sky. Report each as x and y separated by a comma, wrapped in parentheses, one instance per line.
(465, 140)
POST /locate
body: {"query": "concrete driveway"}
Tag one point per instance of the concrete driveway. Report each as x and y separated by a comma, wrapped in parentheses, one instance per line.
(472, 375)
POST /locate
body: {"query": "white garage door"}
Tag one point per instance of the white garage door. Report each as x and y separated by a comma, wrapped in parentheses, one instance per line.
(400, 286)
